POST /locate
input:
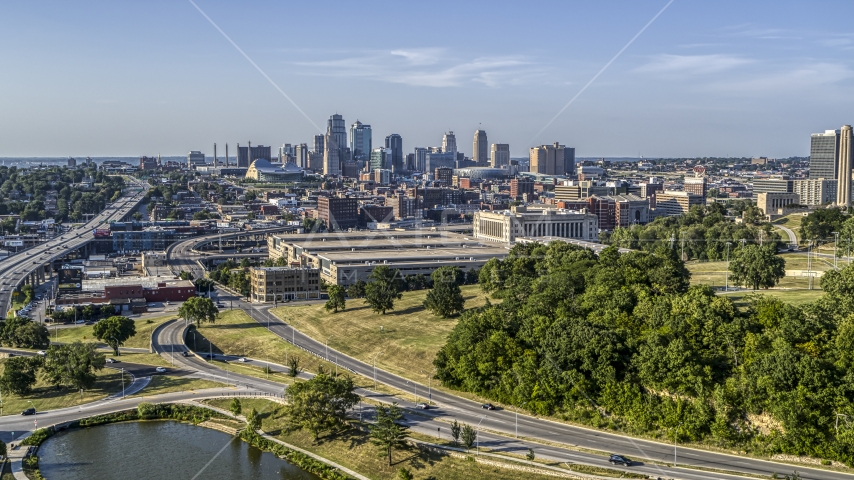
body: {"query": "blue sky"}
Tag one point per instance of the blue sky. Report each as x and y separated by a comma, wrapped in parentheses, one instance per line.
(729, 78)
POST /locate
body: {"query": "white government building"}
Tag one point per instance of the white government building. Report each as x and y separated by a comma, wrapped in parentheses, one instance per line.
(534, 221)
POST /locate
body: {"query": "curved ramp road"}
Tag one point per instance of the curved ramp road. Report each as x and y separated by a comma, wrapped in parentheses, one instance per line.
(504, 421)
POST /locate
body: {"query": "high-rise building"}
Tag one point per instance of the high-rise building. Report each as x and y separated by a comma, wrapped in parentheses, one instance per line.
(381, 159)
(247, 155)
(335, 126)
(818, 191)
(553, 159)
(449, 143)
(301, 155)
(843, 189)
(823, 155)
(360, 141)
(72, 162)
(480, 149)
(500, 155)
(394, 142)
(420, 159)
(696, 185)
(318, 144)
(195, 158)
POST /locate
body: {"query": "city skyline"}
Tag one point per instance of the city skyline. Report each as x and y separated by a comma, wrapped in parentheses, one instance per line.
(702, 80)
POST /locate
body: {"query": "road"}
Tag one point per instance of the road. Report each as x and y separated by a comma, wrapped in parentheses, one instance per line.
(17, 267)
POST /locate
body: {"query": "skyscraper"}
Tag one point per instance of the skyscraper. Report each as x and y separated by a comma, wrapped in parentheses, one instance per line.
(553, 159)
(480, 149)
(394, 142)
(335, 126)
(824, 149)
(360, 141)
(449, 143)
(420, 159)
(301, 155)
(500, 155)
(843, 189)
(195, 158)
(318, 144)
(381, 158)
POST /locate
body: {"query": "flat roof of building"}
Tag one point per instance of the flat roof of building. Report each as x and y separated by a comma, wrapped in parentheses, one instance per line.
(146, 282)
(413, 255)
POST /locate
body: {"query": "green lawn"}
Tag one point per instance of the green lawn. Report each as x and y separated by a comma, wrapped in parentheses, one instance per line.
(408, 336)
(46, 397)
(794, 297)
(354, 450)
(236, 333)
(142, 339)
(791, 221)
(170, 383)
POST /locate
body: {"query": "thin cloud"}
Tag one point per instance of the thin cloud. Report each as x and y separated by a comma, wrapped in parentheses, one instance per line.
(692, 64)
(753, 31)
(429, 67)
(803, 78)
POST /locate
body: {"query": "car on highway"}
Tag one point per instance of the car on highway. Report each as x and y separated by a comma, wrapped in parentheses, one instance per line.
(619, 460)
(80, 322)
(29, 411)
(160, 370)
(488, 406)
(185, 354)
(112, 360)
(422, 406)
(242, 360)
(41, 352)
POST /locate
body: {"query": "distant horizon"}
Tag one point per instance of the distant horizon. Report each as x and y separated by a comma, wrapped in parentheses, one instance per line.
(673, 78)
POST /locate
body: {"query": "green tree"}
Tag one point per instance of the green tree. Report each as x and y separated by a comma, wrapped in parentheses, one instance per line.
(382, 289)
(185, 275)
(73, 365)
(107, 310)
(404, 474)
(530, 455)
(88, 312)
(235, 407)
(253, 420)
(820, 224)
(455, 431)
(198, 309)
(445, 299)
(19, 375)
(320, 404)
(336, 299)
(114, 331)
(136, 216)
(293, 366)
(757, 266)
(356, 290)
(468, 436)
(388, 432)
(22, 332)
(29, 293)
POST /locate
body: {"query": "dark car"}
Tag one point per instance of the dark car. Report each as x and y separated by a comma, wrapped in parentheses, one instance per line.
(488, 406)
(619, 460)
(29, 411)
(185, 354)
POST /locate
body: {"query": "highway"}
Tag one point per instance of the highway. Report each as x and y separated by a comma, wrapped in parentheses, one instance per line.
(16, 268)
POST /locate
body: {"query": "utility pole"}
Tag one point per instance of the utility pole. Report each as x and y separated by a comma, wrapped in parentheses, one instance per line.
(726, 285)
(835, 245)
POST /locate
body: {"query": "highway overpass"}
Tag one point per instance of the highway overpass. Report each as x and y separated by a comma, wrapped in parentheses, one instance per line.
(30, 265)
(184, 256)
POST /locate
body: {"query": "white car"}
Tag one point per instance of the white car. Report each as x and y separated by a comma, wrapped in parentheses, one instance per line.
(160, 370)
(41, 352)
(241, 359)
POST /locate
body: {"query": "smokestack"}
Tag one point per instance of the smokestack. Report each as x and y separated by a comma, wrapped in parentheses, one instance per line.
(214, 154)
(226, 154)
(249, 154)
(237, 162)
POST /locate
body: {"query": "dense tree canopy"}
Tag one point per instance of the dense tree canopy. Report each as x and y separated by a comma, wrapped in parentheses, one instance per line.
(621, 341)
(702, 233)
(757, 266)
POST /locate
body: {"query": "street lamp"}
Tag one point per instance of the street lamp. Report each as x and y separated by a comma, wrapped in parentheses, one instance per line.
(477, 434)
(123, 382)
(414, 385)
(430, 385)
(675, 435)
(327, 346)
(726, 285)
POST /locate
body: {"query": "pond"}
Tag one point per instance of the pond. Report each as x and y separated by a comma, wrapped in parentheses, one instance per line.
(157, 450)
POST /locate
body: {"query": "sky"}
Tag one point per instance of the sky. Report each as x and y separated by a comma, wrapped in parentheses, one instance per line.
(134, 77)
